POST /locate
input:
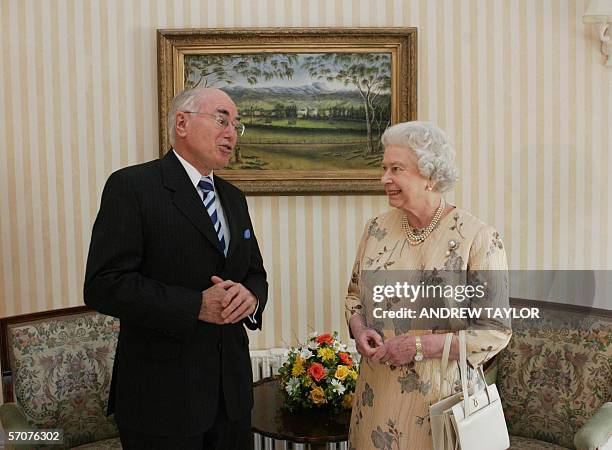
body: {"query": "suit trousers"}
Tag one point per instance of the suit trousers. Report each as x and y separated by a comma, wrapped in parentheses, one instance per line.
(225, 434)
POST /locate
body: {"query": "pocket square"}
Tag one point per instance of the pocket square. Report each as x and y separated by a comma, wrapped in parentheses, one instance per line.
(247, 234)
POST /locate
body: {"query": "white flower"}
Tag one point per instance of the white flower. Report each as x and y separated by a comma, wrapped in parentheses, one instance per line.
(339, 346)
(292, 385)
(305, 353)
(337, 386)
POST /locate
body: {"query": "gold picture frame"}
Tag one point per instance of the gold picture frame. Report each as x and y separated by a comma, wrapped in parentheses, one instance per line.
(312, 118)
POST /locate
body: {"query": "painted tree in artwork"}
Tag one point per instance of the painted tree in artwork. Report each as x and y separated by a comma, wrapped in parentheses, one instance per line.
(370, 73)
(212, 70)
(216, 70)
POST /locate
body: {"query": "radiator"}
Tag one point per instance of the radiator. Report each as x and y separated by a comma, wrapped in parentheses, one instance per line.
(266, 363)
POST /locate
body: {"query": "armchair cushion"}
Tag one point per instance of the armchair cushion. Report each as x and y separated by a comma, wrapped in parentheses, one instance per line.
(62, 371)
(523, 443)
(12, 418)
(553, 376)
(596, 432)
(107, 444)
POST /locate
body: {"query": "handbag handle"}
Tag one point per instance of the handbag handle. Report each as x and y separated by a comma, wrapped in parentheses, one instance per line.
(464, 373)
(444, 365)
(463, 369)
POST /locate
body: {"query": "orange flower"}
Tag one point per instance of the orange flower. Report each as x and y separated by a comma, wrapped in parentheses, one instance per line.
(347, 401)
(316, 371)
(317, 395)
(345, 358)
(325, 338)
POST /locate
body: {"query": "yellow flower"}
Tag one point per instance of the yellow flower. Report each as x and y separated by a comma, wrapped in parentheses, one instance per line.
(307, 382)
(298, 366)
(342, 372)
(353, 374)
(326, 354)
(347, 401)
(317, 395)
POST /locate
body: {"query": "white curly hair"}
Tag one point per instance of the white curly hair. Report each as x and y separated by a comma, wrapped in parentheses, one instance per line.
(435, 153)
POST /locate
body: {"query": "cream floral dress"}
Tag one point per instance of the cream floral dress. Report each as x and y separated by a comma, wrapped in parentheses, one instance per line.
(391, 405)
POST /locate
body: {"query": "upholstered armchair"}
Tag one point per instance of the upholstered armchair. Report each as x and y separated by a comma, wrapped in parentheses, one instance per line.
(61, 371)
(555, 381)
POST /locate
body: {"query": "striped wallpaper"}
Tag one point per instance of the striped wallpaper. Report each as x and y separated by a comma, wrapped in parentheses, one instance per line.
(518, 84)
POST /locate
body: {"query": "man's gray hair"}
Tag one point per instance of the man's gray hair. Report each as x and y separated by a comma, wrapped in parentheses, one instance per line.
(435, 153)
(186, 100)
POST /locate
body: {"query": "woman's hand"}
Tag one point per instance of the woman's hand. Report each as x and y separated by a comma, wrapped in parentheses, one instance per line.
(367, 340)
(397, 351)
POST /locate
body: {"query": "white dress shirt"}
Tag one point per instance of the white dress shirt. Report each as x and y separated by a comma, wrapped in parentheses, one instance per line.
(195, 176)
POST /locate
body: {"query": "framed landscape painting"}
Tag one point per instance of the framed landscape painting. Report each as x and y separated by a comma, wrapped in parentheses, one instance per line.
(314, 101)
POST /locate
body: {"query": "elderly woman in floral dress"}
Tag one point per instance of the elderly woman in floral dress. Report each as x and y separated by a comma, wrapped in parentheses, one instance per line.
(400, 370)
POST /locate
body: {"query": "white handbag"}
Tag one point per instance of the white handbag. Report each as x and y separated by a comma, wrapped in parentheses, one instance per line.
(467, 420)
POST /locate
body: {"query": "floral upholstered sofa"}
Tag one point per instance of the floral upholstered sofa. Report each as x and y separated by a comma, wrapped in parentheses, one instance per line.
(555, 381)
(61, 371)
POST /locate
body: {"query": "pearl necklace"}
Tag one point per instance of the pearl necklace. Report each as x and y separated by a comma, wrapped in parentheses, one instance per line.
(416, 236)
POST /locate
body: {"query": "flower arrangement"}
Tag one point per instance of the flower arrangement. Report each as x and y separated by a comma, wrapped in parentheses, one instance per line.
(319, 374)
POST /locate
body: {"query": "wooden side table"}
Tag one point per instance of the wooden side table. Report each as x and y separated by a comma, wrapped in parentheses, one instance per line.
(316, 428)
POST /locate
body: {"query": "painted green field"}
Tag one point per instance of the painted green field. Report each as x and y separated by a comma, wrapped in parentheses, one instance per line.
(286, 135)
(305, 157)
(308, 145)
(303, 124)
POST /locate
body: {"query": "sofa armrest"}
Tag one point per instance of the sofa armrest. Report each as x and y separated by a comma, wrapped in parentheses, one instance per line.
(11, 418)
(594, 434)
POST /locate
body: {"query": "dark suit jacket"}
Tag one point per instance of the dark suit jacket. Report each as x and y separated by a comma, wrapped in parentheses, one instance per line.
(153, 251)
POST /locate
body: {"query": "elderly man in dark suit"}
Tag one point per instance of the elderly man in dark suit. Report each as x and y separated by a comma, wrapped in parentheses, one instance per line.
(174, 257)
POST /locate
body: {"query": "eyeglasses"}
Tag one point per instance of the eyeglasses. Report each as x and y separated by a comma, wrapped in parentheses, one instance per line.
(222, 121)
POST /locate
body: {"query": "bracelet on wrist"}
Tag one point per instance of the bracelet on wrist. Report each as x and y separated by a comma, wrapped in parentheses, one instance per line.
(419, 349)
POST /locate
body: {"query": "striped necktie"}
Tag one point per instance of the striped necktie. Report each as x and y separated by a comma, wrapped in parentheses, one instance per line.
(210, 204)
